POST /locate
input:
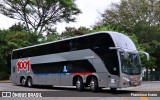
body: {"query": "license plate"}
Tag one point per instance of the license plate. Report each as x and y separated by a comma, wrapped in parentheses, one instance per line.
(135, 83)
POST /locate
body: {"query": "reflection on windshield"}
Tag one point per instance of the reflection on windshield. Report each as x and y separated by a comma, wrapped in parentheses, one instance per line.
(131, 65)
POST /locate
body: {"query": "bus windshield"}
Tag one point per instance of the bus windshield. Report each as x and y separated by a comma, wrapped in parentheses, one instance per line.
(131, 65)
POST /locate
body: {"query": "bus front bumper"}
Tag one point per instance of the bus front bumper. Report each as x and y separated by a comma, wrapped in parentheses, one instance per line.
(131, 83)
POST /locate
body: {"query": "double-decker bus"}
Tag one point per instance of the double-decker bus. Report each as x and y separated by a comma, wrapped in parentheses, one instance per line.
(96, 60)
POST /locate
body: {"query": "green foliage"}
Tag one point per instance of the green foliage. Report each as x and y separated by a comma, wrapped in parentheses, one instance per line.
(103, 28)
(133, 16)
(52, 37)
(40, 15)
(135, 40)
(153, 47)
(10, 39)
(70, 32)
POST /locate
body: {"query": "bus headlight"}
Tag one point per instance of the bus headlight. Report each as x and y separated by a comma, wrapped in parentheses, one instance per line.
(125, 78)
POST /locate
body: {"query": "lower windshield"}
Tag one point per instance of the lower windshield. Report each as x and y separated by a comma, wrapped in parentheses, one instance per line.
(131, 65)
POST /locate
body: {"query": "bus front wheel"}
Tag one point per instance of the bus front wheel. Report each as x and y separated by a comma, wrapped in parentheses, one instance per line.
(79, 84)
(94, 84)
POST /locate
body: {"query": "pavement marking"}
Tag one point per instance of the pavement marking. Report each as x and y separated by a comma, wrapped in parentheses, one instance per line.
(144, 98)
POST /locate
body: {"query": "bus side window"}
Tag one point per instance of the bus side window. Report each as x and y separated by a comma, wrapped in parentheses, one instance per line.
(82, 43)
(74, 44)
(69, 67)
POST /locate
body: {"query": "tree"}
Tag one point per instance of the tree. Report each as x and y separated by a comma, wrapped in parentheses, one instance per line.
(18, 27)
(134, 16)
(13, 38)
(71, 31)
(40, 15)
(51, 37)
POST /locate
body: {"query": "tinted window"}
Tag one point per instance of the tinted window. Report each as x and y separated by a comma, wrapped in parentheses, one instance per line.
(52, 48)
(74, 44)
(47, 68)
(83, 43)
(100, 45)
(111, 62)
(82, 66)
(63, 46)
(58, 67)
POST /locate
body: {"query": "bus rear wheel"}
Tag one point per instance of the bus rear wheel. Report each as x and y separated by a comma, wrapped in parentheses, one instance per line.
(94, 84)
(29, 82)
(79, 84)
(23, 82)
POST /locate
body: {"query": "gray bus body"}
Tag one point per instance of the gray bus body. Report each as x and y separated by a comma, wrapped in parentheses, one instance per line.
(83, 57)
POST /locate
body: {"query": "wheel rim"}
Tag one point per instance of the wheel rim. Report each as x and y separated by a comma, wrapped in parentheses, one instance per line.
(78, 84)
(29, 82)
(23, 82)
(92, 85)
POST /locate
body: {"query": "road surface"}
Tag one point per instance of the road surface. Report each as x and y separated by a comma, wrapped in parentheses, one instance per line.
(65, 93)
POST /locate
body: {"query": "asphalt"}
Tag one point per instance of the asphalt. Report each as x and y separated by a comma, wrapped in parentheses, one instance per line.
(9, 81)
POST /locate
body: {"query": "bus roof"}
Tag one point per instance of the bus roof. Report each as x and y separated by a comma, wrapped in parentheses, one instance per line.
(109, 32)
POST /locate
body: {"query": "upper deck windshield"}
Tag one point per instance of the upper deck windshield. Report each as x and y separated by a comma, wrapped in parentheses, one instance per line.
(130, 66)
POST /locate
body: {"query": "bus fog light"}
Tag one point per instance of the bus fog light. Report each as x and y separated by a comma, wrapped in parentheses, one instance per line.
(125, 78)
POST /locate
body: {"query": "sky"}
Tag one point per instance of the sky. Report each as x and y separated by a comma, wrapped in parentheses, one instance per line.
(91, 10)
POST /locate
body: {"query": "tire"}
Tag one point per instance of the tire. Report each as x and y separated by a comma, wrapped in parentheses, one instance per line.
(79, 84)
(29, 82)
(94, 84)
(23, 82)
(113, 89)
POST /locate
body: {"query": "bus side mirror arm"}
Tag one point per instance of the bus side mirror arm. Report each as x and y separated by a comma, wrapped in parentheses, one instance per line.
(113, 48)
(147, 54)
(125, 52)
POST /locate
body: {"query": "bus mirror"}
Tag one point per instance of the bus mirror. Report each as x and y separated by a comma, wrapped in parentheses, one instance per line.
(147, 54)
(125, 52)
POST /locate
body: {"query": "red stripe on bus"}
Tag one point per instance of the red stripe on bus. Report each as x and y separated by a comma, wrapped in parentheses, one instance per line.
(83, 73)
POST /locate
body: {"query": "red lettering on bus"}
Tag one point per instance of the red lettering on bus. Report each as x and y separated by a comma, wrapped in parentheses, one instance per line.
(23, 65)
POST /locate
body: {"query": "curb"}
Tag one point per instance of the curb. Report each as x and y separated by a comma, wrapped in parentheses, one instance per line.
(150, 81)
(5, 81)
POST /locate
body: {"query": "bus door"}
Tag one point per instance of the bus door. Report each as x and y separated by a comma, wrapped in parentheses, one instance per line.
(113, 73)
(112, 65)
